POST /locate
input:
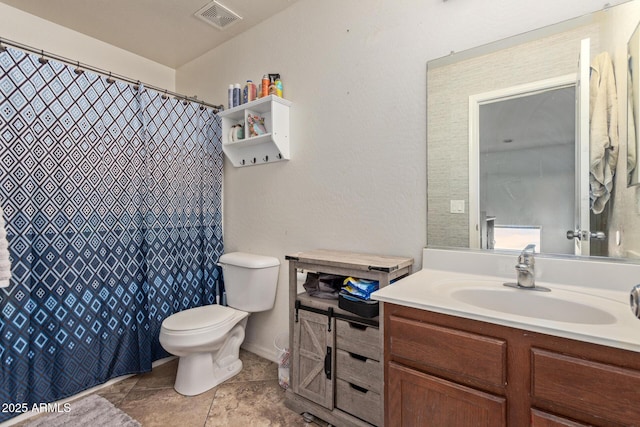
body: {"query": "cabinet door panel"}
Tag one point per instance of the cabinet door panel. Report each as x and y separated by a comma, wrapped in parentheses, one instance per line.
(418, 399)
(312, 345)
(603, 391)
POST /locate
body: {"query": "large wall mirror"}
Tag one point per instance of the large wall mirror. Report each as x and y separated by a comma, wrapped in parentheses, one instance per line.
(532, 140)
(633, 109)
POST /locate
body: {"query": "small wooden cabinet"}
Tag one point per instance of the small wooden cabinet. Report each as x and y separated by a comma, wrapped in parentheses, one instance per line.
(447, 370)
(337, 357)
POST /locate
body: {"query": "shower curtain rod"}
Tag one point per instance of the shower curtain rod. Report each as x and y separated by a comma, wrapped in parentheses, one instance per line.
(80, 66)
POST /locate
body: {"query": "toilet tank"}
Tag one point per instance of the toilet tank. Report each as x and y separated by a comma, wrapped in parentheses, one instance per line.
(250, 280)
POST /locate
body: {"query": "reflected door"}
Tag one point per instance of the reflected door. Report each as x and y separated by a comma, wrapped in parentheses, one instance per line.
(580, 233)
(524, 152)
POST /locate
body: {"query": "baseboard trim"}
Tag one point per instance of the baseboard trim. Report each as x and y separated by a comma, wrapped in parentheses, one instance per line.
(268, 353)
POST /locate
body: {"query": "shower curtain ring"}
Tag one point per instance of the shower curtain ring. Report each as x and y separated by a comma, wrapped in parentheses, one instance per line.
(110, 79)
(78, 70)
(42, 59)
(165, 96)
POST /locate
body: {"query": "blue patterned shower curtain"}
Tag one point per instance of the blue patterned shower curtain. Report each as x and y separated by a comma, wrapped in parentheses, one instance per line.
(112, 198)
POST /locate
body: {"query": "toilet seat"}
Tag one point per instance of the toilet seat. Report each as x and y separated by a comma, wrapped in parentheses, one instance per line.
(205, 319)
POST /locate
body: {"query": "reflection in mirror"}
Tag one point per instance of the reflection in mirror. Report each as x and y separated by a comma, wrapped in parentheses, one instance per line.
(526, 164)
(545, 54)
(633, 107)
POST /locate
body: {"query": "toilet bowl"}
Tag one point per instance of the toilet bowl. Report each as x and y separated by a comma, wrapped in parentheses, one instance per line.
(207, 339)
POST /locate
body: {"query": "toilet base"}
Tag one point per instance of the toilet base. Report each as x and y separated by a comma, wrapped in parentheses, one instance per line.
(206, 376)
(199, 372)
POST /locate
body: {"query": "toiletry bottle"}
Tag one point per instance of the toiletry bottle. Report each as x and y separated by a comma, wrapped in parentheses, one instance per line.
(230, 95)
(273, 90)
(237, 96)
(253, 91)
(249, 92)
(279, 87)
(265, 86)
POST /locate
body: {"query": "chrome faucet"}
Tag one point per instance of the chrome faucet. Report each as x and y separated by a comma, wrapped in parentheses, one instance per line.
(525, 268)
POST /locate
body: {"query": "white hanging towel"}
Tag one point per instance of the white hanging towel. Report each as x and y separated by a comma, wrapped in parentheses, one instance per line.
(603, 130)
(5, 264)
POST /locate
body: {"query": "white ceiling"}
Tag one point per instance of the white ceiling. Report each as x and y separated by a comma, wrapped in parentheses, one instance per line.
(165, 31)
(533, 121)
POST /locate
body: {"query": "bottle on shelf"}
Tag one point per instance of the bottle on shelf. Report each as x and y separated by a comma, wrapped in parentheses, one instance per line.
(250, 92)
(237, 95)
(230, 95)
(264, 89)
(279, 87)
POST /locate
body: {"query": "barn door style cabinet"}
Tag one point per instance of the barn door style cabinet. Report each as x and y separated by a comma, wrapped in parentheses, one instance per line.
(337, 356)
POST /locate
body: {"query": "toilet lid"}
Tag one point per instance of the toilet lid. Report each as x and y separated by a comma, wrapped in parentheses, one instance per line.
(199, 317)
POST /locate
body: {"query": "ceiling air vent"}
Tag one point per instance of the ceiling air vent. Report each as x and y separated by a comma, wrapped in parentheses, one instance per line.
(218, 15)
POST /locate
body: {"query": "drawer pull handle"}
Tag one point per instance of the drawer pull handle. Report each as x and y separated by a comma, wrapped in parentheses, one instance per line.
(357, 326)
(359, 357)
(358, 388)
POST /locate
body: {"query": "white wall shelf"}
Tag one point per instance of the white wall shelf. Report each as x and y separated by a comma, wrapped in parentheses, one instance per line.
(270, 147)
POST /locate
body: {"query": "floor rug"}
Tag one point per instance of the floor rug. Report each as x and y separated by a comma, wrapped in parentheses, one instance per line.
(93, 410)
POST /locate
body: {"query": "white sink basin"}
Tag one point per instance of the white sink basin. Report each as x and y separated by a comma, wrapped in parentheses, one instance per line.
(533, 304)
(589, 298)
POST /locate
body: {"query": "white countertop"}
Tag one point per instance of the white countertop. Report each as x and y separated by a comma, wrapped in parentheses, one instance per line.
(604, 286)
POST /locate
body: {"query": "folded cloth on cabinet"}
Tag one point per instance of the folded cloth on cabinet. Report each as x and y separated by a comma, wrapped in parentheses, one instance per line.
(5, 263)
(360, 288)
(603, 130)
(321, 285)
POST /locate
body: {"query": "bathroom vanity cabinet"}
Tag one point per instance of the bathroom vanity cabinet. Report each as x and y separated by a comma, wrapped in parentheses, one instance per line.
(337, 358)
(267, 144)
(448, 370)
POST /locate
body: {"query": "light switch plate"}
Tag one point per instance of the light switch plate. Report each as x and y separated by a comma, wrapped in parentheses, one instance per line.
(457, 206)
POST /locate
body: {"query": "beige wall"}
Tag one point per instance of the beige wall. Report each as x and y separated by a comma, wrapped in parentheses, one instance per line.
(355, 71)
(32, 31)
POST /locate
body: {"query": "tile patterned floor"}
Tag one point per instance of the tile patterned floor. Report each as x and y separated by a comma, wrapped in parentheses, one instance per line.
(253, 398)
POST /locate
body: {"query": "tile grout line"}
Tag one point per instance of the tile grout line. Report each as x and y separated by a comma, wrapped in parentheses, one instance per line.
(206, 418)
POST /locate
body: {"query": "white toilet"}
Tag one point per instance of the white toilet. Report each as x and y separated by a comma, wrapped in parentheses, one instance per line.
(207, 339)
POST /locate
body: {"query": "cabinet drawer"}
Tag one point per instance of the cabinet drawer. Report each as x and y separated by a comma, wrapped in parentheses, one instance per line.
(360, 371)
(463, 354)
(588, 387)
(542, 419)
(359, 339)
(362, 403)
